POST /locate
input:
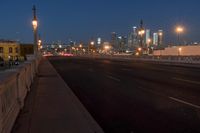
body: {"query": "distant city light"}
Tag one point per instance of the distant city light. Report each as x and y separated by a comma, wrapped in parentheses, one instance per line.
(99, 41)
(139, 49)
(137, 53)
(141, 32)
(120, 37)
(92, 43)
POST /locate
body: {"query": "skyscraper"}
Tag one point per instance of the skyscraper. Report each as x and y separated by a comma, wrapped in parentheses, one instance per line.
(130, 41)
(99, 41)
(147, 37)
(122, 42)
(135, 37)
(160, 37)
(141, 34)
(155, 39)
(114, 40)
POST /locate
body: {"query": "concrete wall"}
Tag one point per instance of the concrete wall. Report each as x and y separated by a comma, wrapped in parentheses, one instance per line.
(14, 86)
(179, 51)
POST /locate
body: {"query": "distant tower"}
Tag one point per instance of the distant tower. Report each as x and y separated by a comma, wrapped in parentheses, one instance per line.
(142, 35)
(155, 39)
(135, 37)
(122, 42)
(148, 37)
(160, 37)
(141, 24)
(34, 13)
(114, 40)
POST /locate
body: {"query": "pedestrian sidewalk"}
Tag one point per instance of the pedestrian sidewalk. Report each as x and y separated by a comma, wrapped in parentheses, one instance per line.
(51, 107)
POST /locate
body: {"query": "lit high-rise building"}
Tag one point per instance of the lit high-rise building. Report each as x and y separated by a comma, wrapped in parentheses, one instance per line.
(148, 37)
(130, 41)
(99, 41)
(114, 40)
(155, 39)
(135, 37)
(160, 37)
(122, 42)
(133, 40)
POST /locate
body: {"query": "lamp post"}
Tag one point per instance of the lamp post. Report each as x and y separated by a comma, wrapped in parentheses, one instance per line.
(179, 51)
(35, 27)
(179, 30)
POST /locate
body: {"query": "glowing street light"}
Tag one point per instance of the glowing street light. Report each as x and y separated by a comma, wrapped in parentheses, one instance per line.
(35, 24)
(106, 47)
(35, 27)
(179, 30)
(39, 44)
(179, 51)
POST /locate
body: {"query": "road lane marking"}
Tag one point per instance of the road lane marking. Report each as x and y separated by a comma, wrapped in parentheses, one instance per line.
(184, 102)
(189, 81)
(113, 78)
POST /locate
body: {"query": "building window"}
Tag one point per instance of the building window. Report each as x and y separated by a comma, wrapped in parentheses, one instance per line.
(10, 50)
(16, 50)
(1, 49)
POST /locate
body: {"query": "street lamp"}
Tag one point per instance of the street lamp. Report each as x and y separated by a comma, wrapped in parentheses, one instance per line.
(35, 27)
(179, 51)
(179, 30)
(39, 44)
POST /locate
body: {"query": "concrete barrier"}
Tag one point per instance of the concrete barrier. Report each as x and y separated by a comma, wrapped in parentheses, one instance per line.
(158, 59)
(14, 86)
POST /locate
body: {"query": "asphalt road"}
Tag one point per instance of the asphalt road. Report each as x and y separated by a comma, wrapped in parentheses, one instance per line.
(135, 97)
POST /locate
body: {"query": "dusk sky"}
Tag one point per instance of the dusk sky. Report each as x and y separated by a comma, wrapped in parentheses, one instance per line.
(81, 20)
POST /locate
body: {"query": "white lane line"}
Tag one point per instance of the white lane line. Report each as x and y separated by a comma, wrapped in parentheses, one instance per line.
(184, 102)
(189, 81)
(113, 78)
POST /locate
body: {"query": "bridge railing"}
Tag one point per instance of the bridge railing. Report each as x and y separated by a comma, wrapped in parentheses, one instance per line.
(14, 86)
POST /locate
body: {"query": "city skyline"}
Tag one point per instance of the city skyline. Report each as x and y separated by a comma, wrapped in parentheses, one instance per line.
(81, 21)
